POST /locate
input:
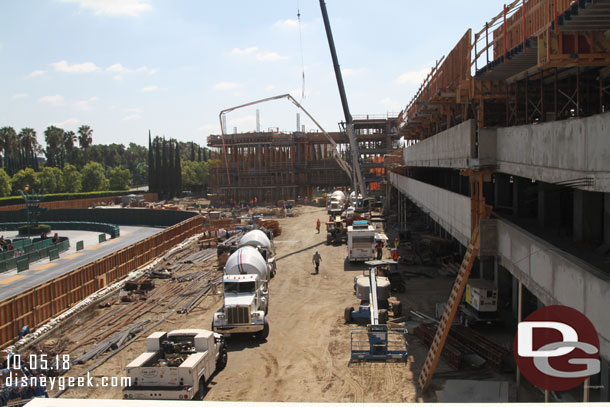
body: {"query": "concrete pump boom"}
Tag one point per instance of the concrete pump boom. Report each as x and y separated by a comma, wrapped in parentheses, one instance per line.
(342, 163)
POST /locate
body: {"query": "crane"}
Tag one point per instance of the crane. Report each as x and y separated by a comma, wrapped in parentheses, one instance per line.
(358, 184)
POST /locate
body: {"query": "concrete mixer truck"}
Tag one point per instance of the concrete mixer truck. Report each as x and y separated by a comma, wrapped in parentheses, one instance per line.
(336, 203)
(246, 295)
(260, 241)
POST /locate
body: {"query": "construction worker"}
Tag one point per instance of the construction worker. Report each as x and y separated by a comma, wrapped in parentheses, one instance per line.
(318, 226)
(316, 260)
(395, 257)
(379, 248)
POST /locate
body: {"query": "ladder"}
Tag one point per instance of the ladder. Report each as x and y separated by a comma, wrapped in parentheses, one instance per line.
(444, 326)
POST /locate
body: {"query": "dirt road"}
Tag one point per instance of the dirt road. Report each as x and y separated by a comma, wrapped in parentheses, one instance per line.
(306, 356)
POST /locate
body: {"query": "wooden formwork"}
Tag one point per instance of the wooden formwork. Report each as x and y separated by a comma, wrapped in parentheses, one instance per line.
(78, 203)
(37, 305)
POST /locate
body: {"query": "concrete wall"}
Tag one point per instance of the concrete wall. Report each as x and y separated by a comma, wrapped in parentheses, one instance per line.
(554, 276)
(558, 151)
(451, 148)
(450, 210)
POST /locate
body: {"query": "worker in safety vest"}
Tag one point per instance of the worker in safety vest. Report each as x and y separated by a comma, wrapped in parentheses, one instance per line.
(318, 225)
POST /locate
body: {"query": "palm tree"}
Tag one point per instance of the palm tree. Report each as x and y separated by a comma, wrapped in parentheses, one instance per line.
(54, 139)
(84, 138)
(28, 143)
(8, 144)
(69, 141)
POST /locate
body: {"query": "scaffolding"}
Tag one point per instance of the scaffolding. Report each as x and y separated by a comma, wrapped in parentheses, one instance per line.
(274, 166)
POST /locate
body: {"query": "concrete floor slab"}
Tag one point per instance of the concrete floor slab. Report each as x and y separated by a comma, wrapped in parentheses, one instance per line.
(474, 391)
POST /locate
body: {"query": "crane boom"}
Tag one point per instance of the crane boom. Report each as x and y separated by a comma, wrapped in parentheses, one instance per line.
(340, 161)
(358, 184)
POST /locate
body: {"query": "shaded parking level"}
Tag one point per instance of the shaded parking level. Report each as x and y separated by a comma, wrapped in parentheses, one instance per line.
(13, 283)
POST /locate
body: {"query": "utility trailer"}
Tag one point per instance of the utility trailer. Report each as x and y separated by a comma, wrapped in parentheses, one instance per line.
(176, 365)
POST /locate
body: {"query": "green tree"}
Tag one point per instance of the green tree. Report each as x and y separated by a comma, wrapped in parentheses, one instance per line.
(23, 178)
(120, 179)
(51, 180)
(85, 139)
(5, 183)
(195, 175)
(28, 145)
(71, 179)
(8, 146)
(54, 137)
(93, 178)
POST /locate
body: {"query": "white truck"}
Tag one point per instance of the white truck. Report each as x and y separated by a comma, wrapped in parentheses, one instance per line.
(176, 365)
(360, 241)
(246, 295)
(336, 203)
(261, 241)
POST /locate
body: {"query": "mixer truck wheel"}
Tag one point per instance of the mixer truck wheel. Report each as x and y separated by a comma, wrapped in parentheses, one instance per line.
(262, 335)
(348, 314)
(222, 359)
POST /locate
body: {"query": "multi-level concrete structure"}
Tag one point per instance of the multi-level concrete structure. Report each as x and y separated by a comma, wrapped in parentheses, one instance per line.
(532, 124)
(274, 166)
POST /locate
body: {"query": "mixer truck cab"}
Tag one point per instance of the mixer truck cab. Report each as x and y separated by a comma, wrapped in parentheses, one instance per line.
(259, 240)
(337, 203)
(246, 295)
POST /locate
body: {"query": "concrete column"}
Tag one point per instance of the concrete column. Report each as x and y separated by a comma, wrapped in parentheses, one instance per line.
(542, 215)
(516, 196)
(486, 267)
(607, 218)
(578, 218)
(515, 291)
(604, 394)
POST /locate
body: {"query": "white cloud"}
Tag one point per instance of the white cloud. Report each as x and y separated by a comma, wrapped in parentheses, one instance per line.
(391, 104)
(413, 77)
(288, 24)
(207, 128)
(150, 88)
(38, 72)
(20, 95)
(85, 67)
(269, 56)
(132, 8)
(55, 100)
(226, 85)
(348, 72)
(120, 69)
(85, 105)
(134, 110)
(131, 117)
(259, 55)
(66, 123)
(245, 121)
(245, 51)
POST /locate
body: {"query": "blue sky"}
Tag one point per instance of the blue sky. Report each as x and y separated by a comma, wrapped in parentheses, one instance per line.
(126, 66)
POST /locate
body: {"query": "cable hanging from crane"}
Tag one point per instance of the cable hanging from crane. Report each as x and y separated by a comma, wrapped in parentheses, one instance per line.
(302, 59)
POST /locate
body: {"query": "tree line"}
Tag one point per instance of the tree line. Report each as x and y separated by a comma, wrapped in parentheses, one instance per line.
(70, 162)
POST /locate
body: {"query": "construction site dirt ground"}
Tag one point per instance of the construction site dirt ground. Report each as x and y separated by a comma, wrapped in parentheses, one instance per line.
(307, 353)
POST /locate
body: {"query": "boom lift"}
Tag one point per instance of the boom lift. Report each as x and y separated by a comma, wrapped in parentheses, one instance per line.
(377, 341)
